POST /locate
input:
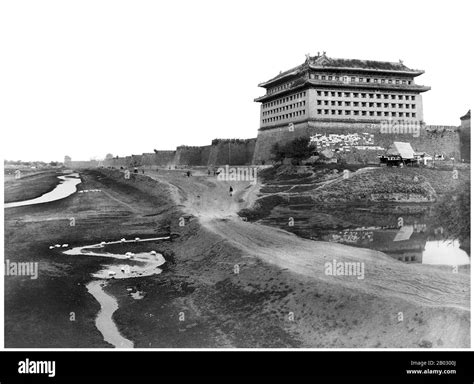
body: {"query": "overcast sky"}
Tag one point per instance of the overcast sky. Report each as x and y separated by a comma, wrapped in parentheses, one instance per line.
(87, 78)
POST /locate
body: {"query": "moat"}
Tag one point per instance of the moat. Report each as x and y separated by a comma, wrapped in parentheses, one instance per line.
(404, 232)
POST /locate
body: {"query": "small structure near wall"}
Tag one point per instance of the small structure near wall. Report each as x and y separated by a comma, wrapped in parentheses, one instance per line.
(399, 154)
(423, 158)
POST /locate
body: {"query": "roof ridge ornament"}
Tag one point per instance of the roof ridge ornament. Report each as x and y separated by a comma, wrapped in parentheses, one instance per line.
(321, 59)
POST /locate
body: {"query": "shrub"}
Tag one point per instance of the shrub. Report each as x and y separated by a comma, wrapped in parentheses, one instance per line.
(298, 149)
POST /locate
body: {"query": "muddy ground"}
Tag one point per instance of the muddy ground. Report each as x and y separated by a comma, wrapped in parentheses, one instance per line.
(212, 292)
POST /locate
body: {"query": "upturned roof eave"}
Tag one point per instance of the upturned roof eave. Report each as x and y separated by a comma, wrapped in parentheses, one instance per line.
(295, 72)
(368, 87)
(467, 116)
(282, 92)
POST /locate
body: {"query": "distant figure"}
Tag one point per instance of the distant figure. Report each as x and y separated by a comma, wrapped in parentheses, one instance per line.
(208, 172)
(143, 171)
(188, 173)
(231, 190)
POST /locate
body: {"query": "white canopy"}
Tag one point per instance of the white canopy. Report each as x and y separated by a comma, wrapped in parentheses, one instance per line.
(405, 150)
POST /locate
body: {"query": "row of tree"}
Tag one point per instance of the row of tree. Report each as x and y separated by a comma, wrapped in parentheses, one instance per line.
(31, 163)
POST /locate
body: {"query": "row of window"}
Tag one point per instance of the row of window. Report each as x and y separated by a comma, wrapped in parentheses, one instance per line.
(285, 108)
(365, 113)
(284, 116)
(284, 100)
(365, 95)
(354, 79)
(365, 104)
(280, 87)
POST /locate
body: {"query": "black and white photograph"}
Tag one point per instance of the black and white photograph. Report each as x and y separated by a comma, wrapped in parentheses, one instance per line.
(236, 175)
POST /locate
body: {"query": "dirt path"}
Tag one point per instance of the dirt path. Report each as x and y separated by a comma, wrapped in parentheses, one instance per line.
(208, 199)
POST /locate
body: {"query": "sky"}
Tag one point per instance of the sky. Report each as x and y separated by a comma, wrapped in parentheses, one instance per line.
(87, 78)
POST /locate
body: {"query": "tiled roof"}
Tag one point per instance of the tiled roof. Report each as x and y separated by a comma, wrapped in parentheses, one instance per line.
(322, 61)
(361, 64)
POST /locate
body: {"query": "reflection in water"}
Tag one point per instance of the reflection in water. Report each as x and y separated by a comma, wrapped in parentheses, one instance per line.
(406, 233)
(65, 188)
(444, 252)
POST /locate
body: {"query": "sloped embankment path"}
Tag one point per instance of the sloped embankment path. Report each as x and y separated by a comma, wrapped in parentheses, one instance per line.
(208, 199)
